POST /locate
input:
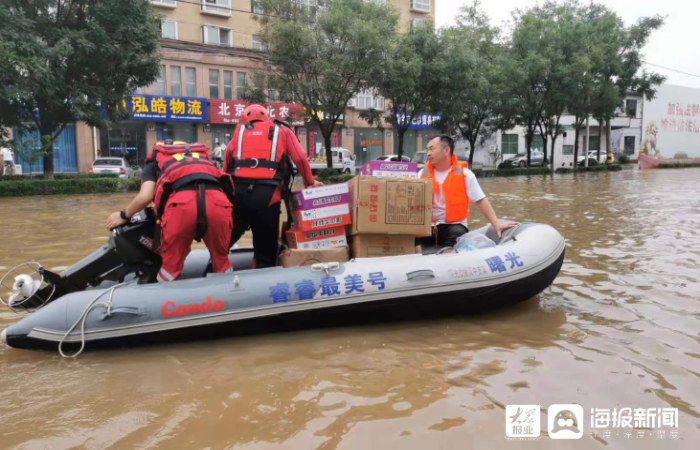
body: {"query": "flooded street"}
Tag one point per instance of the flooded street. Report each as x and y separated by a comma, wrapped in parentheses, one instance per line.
(620, 327)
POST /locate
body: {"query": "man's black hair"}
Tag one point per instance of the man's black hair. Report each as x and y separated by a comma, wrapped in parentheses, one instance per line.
(448, 141)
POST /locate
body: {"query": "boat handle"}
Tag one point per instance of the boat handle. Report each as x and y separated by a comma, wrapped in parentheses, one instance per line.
(325, 267)
(122, 310)
(416, 274)
(509, 234)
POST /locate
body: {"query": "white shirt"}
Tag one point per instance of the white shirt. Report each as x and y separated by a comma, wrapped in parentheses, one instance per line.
(474, 193)
(219, 151)
(7, 154)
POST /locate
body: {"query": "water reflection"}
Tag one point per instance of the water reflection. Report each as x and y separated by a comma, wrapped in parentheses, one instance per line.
(619, 328)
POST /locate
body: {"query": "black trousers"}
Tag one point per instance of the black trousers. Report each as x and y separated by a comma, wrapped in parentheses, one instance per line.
(443, 235)
(253, 210)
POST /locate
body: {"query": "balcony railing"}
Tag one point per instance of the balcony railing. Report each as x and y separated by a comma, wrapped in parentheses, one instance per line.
(217, 7)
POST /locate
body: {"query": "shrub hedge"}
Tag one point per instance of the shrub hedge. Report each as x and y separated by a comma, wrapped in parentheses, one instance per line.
(71, 185)
(678, 165)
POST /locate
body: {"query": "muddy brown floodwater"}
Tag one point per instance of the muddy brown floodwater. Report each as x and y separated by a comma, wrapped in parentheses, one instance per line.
(618, 328)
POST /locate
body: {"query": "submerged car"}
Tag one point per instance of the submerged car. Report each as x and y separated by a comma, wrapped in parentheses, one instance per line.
(112, 165)
(593, 157)
(520, 160)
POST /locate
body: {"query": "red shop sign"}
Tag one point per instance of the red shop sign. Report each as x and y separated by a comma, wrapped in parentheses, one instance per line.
(229, 111)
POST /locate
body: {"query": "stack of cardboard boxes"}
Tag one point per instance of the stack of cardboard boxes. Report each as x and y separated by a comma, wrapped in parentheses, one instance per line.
(383, 210)
(319, 217)
(390, 207)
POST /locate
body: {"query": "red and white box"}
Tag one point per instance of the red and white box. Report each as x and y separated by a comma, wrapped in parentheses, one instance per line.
(317, 240)
(322, 218)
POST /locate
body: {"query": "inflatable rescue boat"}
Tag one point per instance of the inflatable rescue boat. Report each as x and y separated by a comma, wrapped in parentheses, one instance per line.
(103, 299)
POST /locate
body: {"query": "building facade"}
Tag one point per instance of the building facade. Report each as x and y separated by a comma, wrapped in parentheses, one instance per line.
(625, 138)
(210, 53)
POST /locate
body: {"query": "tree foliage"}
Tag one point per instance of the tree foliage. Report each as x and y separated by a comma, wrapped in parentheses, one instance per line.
(325, 55)
(64, 61)
(413, 70)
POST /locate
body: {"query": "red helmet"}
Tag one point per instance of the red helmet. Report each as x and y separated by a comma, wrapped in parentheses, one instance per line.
(254, 112)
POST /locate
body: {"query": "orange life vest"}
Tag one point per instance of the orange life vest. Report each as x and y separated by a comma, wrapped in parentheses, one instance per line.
(455, 190)
(258, 156)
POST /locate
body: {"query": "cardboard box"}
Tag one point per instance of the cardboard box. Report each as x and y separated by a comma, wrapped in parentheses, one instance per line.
(319, 197)
(321, 218)
(315, 240)
(391, 169)
(371, 245)
(391, 206)
(295, 257)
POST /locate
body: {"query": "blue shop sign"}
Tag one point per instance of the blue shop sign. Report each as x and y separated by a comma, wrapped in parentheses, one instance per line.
(162, 108)
(423, 121)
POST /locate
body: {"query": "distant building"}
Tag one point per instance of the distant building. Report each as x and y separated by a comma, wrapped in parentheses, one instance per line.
(211, 50)
(625, 138)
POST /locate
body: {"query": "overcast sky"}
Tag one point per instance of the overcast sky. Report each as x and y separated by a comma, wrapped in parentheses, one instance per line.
(675, 45)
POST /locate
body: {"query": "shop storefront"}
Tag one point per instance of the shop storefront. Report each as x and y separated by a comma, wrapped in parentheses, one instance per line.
(419, 133)
(126, 139)
(369, 145)
(28, 152)
(154, 118)
(225, 114)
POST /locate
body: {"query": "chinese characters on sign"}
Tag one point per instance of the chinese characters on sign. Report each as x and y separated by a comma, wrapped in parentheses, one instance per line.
(161, 108)
(328, 287)
(638, 422)
(681, 118)
(230, 111)
(423, 121)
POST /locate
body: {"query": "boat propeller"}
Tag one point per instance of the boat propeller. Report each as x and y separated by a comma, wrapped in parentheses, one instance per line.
(24, 287)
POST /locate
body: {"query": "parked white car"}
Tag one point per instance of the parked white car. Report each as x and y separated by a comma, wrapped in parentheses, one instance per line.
(112, 165)
(592, 155)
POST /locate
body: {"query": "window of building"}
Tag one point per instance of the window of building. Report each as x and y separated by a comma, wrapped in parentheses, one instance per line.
(567, 150)
(241, 83)
(377, 2)
(420, 5)
(258, 43)
(272, 89)
(255, 7)
(159, 86)
(190, 81)
(228, 85)
(367, 100)
(537, 143)
(216, 35)
(509, 144)
(168, 29)
(629, 145)
(217, 7)
(213, 83)
(417, 23)
(631, 108)
(167, 3)
(175, 81)
(595, 143)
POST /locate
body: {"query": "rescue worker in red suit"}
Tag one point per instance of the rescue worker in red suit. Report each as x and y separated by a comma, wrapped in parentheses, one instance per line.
(192, 200)
(258, 160)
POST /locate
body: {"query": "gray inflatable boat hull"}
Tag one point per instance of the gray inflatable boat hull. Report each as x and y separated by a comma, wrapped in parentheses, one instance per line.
(525, 261)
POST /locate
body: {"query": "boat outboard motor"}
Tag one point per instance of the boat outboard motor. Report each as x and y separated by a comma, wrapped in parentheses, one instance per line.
(128, 253)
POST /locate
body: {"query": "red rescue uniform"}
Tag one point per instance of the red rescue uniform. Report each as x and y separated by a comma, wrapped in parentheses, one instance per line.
(193, 202)
(257, 160)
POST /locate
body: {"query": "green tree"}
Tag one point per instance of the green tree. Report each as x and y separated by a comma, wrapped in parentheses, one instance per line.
(409, 76)
(474, 96)
(325, 55)
(616, 62)
(64, 61)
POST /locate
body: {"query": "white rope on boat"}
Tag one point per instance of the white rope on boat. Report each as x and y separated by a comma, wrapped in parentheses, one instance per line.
(83, 317)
